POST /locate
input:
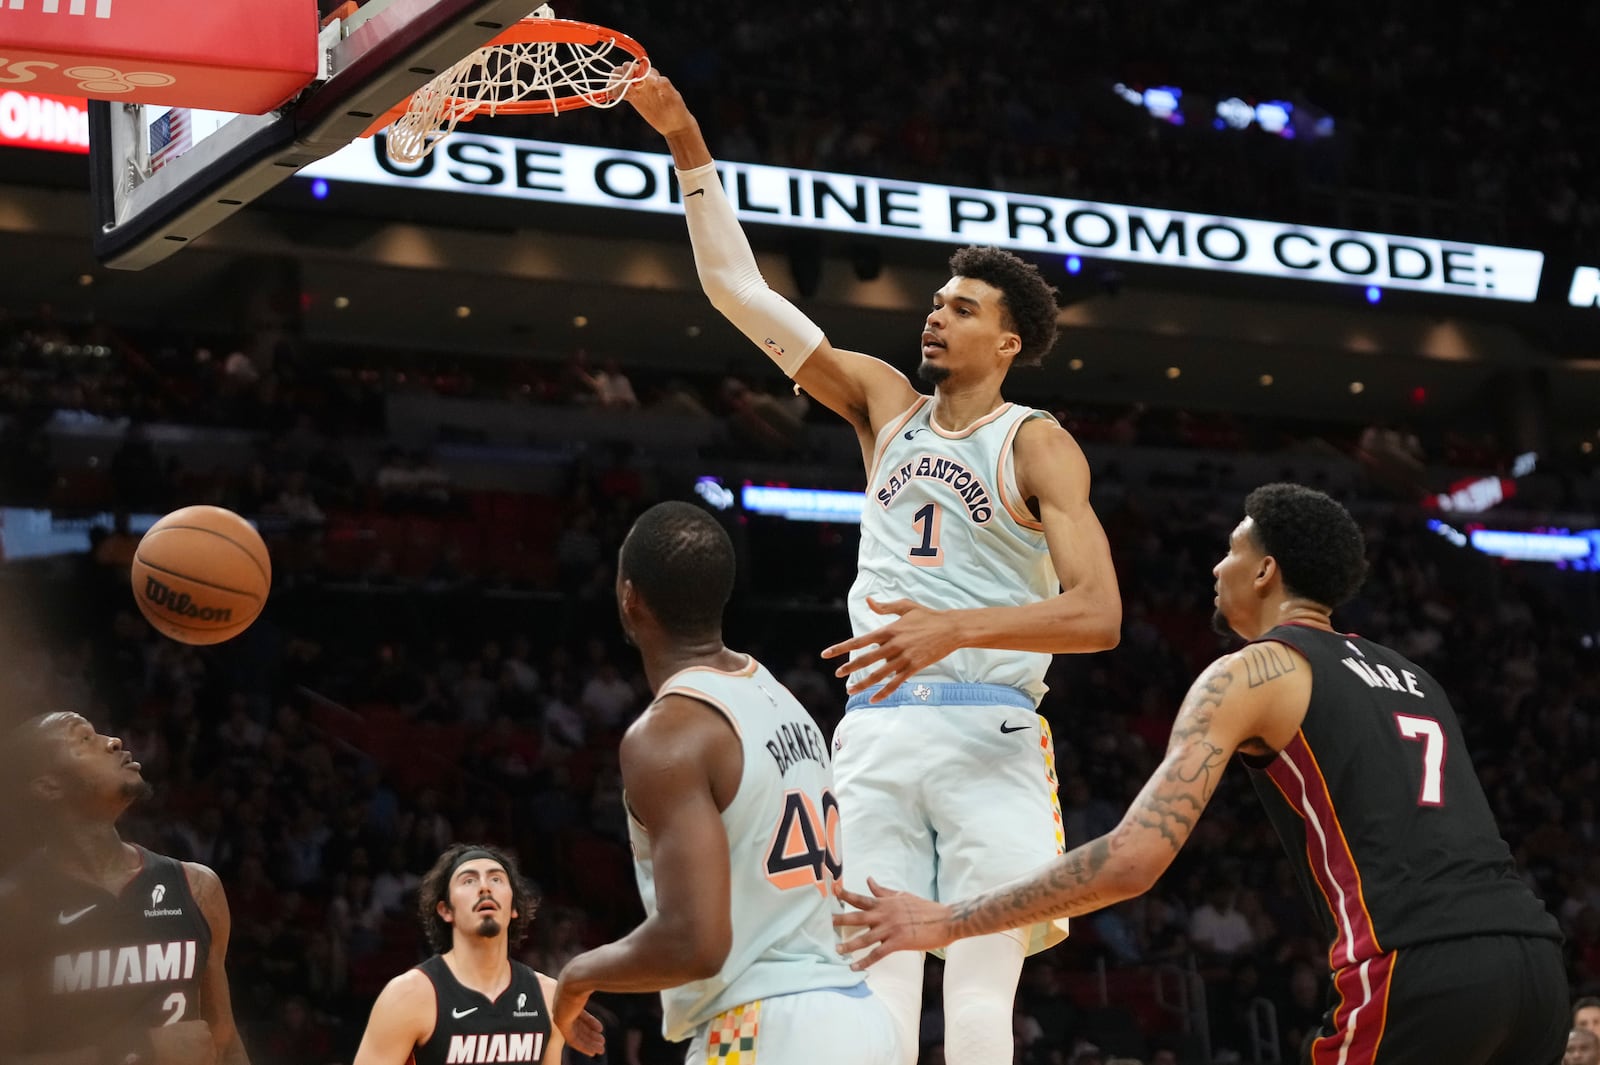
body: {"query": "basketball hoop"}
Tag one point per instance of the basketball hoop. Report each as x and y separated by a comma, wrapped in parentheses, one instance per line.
(541, 65)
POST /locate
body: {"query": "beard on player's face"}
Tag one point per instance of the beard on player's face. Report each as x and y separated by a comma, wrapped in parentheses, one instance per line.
(136, 790)
(1219, 623)
(488, 927)
(932, 373)
(95, 792)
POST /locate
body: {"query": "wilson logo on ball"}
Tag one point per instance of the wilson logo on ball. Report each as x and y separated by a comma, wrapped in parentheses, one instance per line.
(180, 603)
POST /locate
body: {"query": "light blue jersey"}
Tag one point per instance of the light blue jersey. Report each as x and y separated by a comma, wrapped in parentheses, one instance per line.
(944, 526)
(783, 850)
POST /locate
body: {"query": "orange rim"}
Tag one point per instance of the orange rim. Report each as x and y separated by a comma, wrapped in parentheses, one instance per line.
(537, 31)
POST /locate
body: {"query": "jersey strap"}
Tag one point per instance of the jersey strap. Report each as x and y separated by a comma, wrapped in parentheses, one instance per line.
(921, 694)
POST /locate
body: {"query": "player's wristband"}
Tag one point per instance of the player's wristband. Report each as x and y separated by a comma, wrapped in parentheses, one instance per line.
(731, 279)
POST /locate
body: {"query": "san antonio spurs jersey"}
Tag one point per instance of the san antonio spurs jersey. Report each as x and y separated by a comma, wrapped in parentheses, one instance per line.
(783, 851)
(944, 526)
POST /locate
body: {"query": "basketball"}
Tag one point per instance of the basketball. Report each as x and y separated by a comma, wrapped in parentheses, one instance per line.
(201, 575)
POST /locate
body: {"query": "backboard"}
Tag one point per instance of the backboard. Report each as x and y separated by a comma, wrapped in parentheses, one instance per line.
(162, 176)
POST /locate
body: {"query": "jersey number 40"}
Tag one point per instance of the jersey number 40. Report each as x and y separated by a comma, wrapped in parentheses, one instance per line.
(805, 848)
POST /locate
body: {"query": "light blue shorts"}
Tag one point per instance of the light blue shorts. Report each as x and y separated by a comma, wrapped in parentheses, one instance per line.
(947, 798)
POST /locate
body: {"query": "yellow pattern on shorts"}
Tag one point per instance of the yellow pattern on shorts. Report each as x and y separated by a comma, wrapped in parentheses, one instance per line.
(731, 1035)
(1047, 745)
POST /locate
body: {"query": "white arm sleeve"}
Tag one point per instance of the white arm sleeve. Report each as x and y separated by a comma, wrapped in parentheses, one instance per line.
(729, 275)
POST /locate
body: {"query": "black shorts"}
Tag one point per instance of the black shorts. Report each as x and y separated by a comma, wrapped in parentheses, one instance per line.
(1487, 1000)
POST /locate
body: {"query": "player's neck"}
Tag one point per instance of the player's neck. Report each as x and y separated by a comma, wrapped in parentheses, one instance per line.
(482, 965)
(663, 661)
(1311, 618)
(957, 406)
(94, 852)
(1296, 612)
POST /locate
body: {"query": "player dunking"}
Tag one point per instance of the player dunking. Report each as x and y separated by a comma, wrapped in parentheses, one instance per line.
(470, 1002)
(1439, 952)
(113, 953)
(735, 833)
(979, 541)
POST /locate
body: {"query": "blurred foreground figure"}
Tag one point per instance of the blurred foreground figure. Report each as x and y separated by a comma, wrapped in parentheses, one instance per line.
(114, 955)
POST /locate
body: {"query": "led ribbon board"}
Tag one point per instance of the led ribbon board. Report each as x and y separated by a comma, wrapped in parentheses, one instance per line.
(586, 176)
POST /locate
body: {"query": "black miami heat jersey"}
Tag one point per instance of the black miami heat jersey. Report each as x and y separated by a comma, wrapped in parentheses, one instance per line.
(1381, 812)
(471, 1029)
(101, 968)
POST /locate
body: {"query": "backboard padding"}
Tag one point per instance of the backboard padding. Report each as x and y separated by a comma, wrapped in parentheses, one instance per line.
(394, 48)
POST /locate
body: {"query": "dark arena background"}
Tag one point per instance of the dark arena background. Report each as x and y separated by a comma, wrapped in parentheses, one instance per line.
(1345, 245)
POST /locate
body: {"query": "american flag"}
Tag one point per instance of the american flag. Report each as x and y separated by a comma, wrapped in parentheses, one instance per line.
(169, 137)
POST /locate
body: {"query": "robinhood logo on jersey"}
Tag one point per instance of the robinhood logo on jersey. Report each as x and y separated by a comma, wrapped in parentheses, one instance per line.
(973, 492)
(810, 199)
(158, 893)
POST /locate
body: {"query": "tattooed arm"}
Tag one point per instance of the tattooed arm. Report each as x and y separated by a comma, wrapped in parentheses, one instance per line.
(1252, 700)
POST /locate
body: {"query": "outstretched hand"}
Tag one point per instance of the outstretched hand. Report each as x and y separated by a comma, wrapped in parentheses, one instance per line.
(581, 1029)
(893, 920)
(920, 637)
(656, 100)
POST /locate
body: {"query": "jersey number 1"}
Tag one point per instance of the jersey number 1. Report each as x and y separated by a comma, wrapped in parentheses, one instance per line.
(1428, 731)
(805, 848)
(926, 522)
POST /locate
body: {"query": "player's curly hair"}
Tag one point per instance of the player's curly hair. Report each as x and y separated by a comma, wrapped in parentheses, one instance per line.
(1317, 544)
(1029, 302)
(435, 888)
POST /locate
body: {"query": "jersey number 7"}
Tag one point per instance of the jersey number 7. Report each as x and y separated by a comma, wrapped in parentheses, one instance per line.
(1428, 731)
(805, 848)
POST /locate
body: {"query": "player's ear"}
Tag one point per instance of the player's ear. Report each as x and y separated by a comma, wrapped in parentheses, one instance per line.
(45, 787)
(1010, 345)
(1267, 569)
(442, 908)
(631, 605)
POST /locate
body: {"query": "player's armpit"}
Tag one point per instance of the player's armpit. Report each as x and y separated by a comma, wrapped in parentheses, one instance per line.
(216, 999)
(403, 1016)
(865, 391)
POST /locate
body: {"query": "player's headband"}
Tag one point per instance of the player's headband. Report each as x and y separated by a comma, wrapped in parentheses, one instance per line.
(474, 854)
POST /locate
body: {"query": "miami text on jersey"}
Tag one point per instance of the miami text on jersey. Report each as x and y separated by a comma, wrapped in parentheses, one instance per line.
(498, 1047)
(973, 492)
(149, 963)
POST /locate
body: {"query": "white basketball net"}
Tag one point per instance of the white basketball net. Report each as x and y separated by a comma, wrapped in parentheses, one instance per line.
(492, 77)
